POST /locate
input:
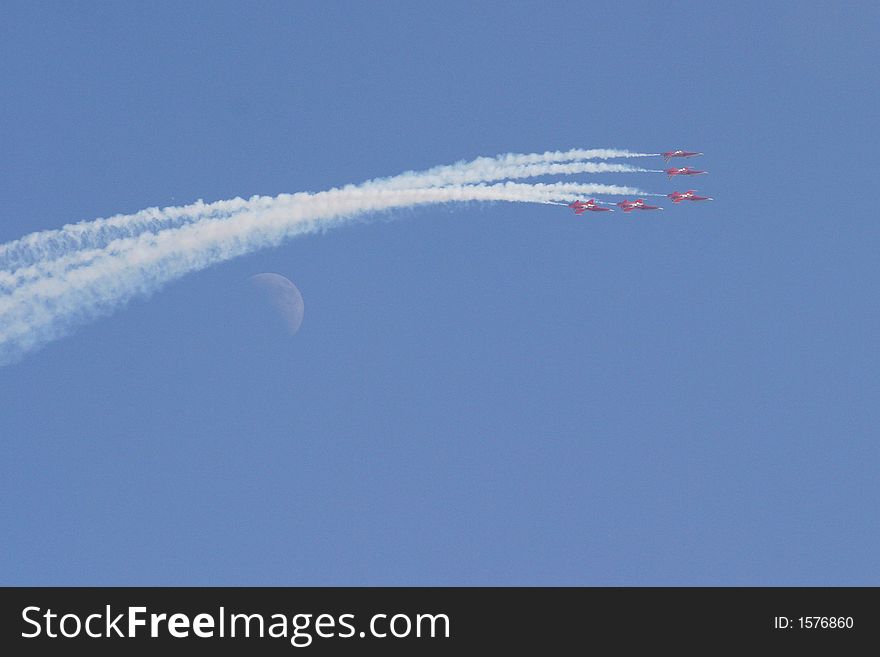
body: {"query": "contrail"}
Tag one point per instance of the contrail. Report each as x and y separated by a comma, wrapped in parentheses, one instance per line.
(68, 292)
(573, 154)
(489, 170)
(64, 257)
(96, 233)
(48, 243)
(53, 280)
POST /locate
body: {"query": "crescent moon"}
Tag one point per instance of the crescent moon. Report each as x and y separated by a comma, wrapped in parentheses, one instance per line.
(284, 296)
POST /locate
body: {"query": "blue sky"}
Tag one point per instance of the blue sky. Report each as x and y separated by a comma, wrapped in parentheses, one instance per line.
(482, 394)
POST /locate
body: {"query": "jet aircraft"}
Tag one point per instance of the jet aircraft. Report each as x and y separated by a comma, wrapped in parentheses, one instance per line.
(682, 171)
(638, 204)
(668, 155)
(579, 207)
(689, 195)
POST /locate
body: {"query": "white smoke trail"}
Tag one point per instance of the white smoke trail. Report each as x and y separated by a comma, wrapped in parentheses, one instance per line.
(58, 262)
(66, 294)
(488, 169)
(96, 233)
(87, 234)
(571, 154)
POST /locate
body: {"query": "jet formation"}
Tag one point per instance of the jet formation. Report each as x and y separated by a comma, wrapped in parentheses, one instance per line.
(593, 205)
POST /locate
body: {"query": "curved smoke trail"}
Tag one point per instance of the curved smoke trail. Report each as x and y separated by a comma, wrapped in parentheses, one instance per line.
(48, 244)
(70, 282)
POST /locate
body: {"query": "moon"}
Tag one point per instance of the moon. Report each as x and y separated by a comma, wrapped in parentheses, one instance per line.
(284, 297)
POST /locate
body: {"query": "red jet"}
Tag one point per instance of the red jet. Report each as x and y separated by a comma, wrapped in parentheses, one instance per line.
(579, 207)
(682, 171)
(689, 195)
(638, 204)
(668, 155)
